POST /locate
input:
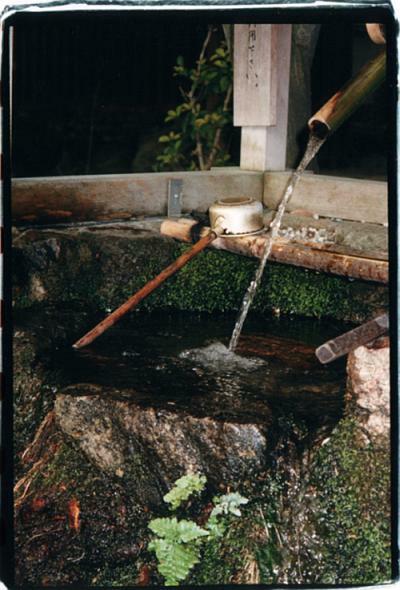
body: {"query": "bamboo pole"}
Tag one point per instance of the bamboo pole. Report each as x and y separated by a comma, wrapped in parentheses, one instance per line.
(133, 301)
(306, 255)
(342, 104)
(376, 32)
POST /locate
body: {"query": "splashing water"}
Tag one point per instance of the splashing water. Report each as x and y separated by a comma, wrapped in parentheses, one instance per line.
(218, 357)
(313, 146)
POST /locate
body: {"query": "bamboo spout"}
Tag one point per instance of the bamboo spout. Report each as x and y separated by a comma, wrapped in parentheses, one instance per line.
(347, 100)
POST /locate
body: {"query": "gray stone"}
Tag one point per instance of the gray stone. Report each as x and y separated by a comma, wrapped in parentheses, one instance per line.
(153, 446)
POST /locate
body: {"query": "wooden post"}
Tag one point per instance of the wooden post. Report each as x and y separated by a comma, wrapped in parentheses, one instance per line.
(261, 94)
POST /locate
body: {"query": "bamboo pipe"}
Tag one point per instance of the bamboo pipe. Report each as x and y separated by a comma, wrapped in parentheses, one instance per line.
(347, 100)
(133, 301)
(306, 255)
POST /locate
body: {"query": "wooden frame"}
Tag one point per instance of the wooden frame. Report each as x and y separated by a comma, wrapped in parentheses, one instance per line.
(123, 196)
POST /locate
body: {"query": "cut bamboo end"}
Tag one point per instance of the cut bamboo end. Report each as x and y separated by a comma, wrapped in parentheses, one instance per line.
(344, 102)
(345, 343)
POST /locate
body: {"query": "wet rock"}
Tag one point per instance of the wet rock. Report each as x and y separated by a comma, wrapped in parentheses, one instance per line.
(153, 446)
(32, 395)
(75, 524)
(37, 333)
(103, 266)
(368, 395)
(100, 267)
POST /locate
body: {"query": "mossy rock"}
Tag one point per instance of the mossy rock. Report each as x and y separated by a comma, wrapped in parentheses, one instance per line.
(103, 269)
(77, 526)
(32, 393)
(352, 477)
(326, 516)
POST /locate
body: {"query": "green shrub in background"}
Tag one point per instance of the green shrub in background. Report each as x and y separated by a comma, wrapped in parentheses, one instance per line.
(178, 543)
(197, 140)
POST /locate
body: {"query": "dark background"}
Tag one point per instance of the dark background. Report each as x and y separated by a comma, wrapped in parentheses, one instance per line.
(90, 96)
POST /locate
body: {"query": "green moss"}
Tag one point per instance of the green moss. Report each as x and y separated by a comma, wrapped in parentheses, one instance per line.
(103, 271)
(248, 553)
(116, 576)
(217, 281)
(353, 483)
(326, 521)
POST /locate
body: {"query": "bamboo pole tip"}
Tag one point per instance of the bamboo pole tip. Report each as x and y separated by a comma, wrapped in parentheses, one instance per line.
(377, 33)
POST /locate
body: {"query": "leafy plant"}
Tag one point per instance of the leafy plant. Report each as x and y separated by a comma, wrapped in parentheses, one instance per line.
(177, 548)
(228, 504)
(178, 543)
(196, 141)
(183, 488)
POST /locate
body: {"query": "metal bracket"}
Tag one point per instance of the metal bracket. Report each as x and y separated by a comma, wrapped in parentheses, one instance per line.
(175, 197)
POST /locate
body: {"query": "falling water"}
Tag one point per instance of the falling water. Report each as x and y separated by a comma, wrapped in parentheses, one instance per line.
(314, 144)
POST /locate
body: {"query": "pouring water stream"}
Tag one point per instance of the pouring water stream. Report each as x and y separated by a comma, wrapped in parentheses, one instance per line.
(313, 146)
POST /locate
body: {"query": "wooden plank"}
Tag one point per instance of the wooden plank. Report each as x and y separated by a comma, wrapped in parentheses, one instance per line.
(261, 94)
(98, 198)
(286, 252)
(331, 196)
(123, 196)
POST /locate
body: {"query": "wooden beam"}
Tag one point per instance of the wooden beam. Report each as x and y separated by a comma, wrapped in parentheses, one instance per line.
(285, 252)
(261, 93)
(123, 196)
(331, 196)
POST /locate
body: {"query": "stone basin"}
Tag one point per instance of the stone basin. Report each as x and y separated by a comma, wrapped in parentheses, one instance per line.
(151, 400)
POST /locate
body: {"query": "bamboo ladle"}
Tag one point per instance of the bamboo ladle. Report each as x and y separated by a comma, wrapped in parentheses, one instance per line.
(133, 301)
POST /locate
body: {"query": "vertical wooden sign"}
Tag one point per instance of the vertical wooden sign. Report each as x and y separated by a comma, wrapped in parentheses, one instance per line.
(261, 93)
(254, 89)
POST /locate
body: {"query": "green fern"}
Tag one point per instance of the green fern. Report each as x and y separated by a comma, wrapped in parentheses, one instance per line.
(183, 488)
(178, 548)
(174, 530)
(178, 543)
(174, 560)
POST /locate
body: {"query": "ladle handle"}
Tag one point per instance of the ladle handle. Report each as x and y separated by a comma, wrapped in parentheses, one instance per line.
(133, 301)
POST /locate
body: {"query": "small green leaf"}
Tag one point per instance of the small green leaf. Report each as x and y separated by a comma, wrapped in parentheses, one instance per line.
(171, 529)
(184, 488)
(228, 504)
(175, 561)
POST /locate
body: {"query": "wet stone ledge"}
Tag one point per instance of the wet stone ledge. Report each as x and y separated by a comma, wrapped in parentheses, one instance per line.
(102, 267)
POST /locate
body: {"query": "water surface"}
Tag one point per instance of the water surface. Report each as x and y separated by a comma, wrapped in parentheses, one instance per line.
(182, 362)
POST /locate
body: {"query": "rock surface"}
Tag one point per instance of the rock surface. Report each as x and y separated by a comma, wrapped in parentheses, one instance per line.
(369, 386)
(102, 266)
(153, 447)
